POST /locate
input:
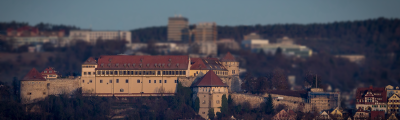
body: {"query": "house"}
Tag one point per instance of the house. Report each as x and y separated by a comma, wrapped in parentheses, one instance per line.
(49, 73)
(361, 114)
(392, 117)
(323, 116)
(372, 99)
(393, 104)
(285, 115)
(337, 113)
(377, 115)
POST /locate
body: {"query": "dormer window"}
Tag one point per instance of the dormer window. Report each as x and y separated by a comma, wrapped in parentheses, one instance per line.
(177, 64)
(109, 64)
(125, 65)
(133, 65)
(117, 64)
(102, 64)
(45, 71)
(169, 60)
(148, 64)
(169, 64)
(129, 64)
(50, 71)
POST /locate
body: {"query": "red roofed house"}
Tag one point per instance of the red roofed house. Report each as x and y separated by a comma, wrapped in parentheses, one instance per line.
(209, 89)
(231, 64)
(200, 66)
(33, 87)
(49, 73)
(372, 99)
(129, 75)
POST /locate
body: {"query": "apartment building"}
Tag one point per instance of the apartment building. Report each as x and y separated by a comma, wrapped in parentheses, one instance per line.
(178, 28)
(206, 31)
(372, 99)
(92, 36)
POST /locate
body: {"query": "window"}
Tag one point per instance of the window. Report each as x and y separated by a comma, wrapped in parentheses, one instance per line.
(160, 81)
(217, 101)
(115, 72)
(158, 73)
(98, 72)
(176, 81)
(111, 72)
(90, 81)
(124, 72)
(120, 72)
(44, 93)
(126, 81)
(84, 73)
(29, 93)
(83, 81)
(102, 72)
(203, 112)
(101, 81)
(110, 81)
(233, 71)
(50, 71)
(45, 71)
(155, 81)
(138, 81)
(136, 72)
(149, 81)
(165, 81)
(117, 81)
(107, 72)
(121, 90)
(163, 72)
(180, 72)
(204, 102)
(89, 73)
(184, 72)
(369, 100)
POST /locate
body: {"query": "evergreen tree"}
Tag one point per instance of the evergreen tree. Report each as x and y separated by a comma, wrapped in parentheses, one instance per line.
(224, 106)
(211, 114)
(197, 105)
(269, 106)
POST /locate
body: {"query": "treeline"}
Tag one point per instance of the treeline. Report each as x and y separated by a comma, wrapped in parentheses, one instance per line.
(41, 26)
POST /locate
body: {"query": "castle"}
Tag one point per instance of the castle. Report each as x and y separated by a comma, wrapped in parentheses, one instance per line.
(129, 75)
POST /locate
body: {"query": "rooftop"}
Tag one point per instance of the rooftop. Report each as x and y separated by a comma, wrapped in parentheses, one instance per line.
(146, 62)
(210, 80)
(33, 75)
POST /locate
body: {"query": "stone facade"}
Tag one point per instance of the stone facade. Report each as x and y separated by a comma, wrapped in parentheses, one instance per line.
(233, 82)
(32, 91)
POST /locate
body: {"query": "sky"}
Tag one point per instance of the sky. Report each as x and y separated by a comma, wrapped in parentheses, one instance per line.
(134, 14)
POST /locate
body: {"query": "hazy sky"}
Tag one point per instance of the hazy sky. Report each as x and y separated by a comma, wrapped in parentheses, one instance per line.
(132, 14)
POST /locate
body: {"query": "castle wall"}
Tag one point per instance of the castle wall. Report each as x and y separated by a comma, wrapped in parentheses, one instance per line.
(234, 83)
(62, 86)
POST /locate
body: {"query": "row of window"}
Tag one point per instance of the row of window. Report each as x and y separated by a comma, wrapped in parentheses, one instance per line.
(139, 72)
(89, 73)
(87, 66)
(127, 81)
(46, 71)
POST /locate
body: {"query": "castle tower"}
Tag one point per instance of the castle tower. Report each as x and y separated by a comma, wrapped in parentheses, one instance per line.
(33, 87)
(88, 75)
(231, 64)
(209, 89)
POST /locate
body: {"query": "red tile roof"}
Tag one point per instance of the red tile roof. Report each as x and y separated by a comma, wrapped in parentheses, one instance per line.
(90, 61)
(132, 62)
(362, 92)
(53, 72)
(228, 58)
(33, 75)
(206, 64)
(210, 80)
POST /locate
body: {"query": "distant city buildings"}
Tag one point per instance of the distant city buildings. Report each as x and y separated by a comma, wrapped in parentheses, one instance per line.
(251, 36)
(178, 29)
(92, 36)
(285, 44)
(206, 32)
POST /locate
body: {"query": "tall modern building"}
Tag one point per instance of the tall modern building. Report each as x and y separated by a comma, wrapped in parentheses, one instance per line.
(177, 28)
(206, 32)
(92, 36)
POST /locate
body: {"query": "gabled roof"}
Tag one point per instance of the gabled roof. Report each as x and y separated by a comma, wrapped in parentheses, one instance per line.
(145, 62)
(33, 75)
(391, 97)
(90, 61)
(228, 58)
(53, 72)
(206, 64)
(210, 80)
(361, 93)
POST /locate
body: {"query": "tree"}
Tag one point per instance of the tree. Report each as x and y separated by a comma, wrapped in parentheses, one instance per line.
(269, 105)
(224, 106)
(211, 113)
(279, 80)
(197, 105)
